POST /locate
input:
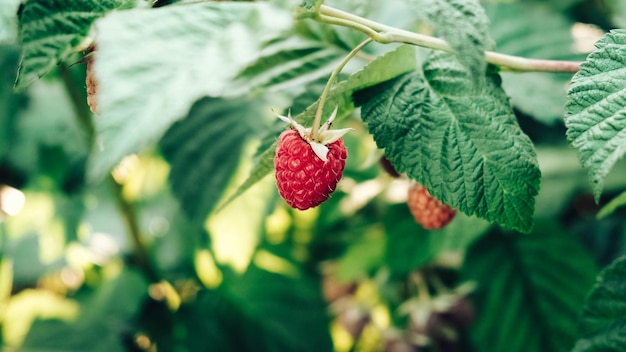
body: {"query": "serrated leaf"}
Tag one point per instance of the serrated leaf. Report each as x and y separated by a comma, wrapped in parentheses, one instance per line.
(464, 25)
(382, 68)
(461, 141)
(596, 117)
(533, 31)
(529, 290)
(288, 63)
(195, 51)
(204, 151)
(50, 30)
(602, 323)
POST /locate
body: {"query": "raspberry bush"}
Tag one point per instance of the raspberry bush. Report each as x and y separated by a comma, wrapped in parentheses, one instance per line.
(152, 200)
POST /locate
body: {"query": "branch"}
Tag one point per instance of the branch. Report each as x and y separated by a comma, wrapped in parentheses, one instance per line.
(387, 34)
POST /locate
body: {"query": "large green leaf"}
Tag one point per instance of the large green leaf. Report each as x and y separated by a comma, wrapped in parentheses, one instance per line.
(461, 142)
(464, 24)
(533, 31)
(529, 290)
(596, 118)
(50, 30)
(382, 68)
(194, 51)
(603, 320)
(292, 309)
(205, 148)
(259, 311)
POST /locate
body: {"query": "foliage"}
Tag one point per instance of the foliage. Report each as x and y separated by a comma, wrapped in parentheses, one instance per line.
(152, 224)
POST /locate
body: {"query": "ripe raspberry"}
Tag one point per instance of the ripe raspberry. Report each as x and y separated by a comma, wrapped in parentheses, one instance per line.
(309, 162)
(427, 210)
(303, 179)
(91, 83)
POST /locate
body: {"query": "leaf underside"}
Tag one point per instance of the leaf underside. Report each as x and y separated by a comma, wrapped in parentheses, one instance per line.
(462, 142)
(195, 51)
(596, 108)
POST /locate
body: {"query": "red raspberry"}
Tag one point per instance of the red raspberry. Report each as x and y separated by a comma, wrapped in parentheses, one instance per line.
(427, 210)
(303, 179)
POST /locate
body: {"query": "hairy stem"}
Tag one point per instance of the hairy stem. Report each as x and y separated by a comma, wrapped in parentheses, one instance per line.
(387, 34)
(329, 84)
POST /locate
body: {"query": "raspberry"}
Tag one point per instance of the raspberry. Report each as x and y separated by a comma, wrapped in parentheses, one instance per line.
(309, 162)
(91, 83)
(427, 210)
(303, 179)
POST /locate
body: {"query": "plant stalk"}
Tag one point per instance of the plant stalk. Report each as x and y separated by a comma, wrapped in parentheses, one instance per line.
(386, 34)
(329, 84)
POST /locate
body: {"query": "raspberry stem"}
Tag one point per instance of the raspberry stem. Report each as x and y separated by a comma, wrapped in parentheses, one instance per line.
(386, 34)
(331, 80)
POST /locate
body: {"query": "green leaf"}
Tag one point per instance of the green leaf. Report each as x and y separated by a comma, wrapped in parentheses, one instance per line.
(10, 102)
(596, 119)
(292, 309)
(464, 25)
(603, 319)
(50, 31)
(288, 63)
(617, 10)
(408, 244)
(204, 151)
(258, 311)
(8, 21)
(107, 316)
(382, 68)
(533, 31)
(462, 142)
(263, 167)
(529, 290)
(195, 51)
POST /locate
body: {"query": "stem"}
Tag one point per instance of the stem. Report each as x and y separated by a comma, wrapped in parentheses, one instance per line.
(387, 34)
(129, 215)
(333, 77)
